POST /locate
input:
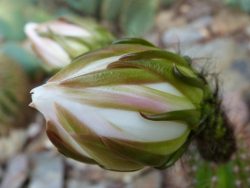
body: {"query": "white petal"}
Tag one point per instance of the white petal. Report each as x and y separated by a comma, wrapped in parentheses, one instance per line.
(107, 122)
(43, 100)
(165, 87)
(95, 66)
(63, 28)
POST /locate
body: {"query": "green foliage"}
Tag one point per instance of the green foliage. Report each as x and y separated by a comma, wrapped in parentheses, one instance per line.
(13, 16)
(111, 9)
(228, 175)
(29, 62)
(85, 6)
(133, 17)
(242, 4)
(14, 88)
(138, 16)
(5, 28)
(166, 2)
(203, 175)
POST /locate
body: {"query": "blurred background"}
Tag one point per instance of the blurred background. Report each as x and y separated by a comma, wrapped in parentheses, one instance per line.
(215, 34)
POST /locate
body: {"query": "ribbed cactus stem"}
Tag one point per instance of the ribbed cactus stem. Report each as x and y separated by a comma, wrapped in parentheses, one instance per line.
(233, 174)
(14, 89)
(217, 132)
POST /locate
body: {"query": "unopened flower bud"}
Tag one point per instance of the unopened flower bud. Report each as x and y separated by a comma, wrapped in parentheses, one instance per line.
(125, 106)
(57, 42)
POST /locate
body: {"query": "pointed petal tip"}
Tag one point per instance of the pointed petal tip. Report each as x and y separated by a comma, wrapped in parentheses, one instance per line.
(29, 27)
(32, 105)
(32, 91)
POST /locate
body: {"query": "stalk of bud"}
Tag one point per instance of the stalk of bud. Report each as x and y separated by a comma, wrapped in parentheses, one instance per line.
(57, 42)
(126, 106)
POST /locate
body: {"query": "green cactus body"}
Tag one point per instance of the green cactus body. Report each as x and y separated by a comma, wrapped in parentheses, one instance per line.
(233, 174)
(13, 94)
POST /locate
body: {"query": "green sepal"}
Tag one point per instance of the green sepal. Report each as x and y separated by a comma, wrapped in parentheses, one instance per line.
(63, 147)
(108, 158)
(194, 81)
(188, 59)
(62, 41)
(93, 144)
(147, 153)
(82, 61)
(156, 54)
(99, 33)
(133, 41)
(112, 77)
(132, 153)
(163, 68)
(191, 117)
(175, 156)
(165, 147)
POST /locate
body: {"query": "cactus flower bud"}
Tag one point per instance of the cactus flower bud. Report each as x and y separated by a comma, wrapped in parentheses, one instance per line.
(57, 42)
(125, 106)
